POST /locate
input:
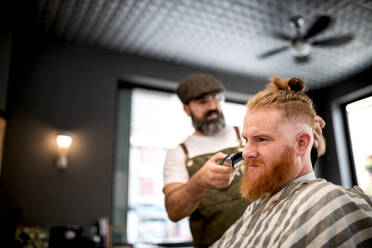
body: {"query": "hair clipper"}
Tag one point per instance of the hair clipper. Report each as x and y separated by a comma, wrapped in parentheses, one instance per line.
(234, 160)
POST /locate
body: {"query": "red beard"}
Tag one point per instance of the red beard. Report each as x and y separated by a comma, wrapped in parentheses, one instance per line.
(271, 177)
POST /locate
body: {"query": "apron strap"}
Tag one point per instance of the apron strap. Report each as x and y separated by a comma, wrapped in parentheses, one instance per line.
(184, 148)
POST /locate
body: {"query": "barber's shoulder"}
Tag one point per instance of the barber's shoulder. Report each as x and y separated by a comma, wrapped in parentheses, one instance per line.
(175, 153)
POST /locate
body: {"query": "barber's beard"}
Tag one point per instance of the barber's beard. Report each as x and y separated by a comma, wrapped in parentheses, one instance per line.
(209, 127)
(271, 177)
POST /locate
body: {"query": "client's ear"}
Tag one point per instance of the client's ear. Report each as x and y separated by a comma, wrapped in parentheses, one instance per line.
(303, 141)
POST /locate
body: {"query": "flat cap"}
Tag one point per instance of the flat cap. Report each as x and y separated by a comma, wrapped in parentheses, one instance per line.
(196, 85)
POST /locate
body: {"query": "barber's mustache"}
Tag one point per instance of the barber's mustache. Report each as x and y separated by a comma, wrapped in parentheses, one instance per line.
(213, 111)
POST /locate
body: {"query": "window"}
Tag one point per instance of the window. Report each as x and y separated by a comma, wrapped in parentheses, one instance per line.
(158, 123)
(359, 118)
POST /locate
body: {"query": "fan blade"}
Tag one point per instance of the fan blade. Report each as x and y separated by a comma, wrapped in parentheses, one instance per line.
(273, 52)
(281, 36)
(302, 59)
(319, 25)
(334, 41)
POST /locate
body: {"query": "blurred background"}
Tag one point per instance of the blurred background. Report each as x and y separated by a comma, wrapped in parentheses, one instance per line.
(104, 72)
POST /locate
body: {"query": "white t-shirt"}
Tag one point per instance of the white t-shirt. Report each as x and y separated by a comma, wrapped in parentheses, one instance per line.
(174, 165)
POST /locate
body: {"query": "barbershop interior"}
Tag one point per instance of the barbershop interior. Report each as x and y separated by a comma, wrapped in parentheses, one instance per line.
(89, 105)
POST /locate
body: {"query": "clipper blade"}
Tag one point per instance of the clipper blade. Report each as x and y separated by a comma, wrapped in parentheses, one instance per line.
(234, 160)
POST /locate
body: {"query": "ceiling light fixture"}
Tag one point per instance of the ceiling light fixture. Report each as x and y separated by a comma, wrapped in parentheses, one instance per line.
(300, 48)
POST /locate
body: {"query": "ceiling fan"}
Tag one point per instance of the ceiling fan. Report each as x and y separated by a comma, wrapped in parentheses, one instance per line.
(300, 45)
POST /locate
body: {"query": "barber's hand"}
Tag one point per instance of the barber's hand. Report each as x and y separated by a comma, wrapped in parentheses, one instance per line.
(319, 141)
(213, 175)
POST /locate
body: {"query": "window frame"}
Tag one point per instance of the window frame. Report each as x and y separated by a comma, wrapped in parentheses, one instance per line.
(342, 134)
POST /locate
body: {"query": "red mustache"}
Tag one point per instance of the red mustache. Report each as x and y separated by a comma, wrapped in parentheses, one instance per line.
(256, 162)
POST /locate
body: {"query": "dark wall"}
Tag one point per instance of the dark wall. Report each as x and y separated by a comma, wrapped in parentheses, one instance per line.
(58, 86)
(353, 87)
(5, 48)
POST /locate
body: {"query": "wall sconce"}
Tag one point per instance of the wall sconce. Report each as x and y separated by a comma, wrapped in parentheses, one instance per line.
(63, 143)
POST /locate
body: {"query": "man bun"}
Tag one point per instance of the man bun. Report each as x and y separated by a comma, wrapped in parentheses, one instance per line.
(290, 84)
(296, 84)
(288, 96)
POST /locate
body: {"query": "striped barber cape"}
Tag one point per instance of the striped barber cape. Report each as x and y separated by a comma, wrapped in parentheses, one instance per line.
(308, 213)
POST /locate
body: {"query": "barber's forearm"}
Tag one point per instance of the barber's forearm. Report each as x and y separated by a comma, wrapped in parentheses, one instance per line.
(183, 201)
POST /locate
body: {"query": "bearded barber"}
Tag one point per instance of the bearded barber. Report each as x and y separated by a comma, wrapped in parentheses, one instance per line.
(195, 184)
